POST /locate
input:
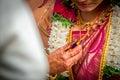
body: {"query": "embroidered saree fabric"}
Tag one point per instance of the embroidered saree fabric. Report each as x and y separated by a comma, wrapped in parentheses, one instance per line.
(88, 67)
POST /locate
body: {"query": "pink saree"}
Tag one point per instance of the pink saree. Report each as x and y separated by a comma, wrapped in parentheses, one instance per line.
(88, 67)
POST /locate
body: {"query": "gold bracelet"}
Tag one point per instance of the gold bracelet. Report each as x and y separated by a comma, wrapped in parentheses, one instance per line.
(52, 77)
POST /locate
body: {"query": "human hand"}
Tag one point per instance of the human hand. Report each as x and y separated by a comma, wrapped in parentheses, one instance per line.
(64, 58)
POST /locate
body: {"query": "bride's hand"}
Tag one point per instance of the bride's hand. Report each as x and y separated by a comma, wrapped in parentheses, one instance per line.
(64, 58)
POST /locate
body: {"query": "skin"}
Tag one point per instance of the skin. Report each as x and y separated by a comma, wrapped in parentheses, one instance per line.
(63, 59)
(34, 3)
(87, 5)
(89, 8)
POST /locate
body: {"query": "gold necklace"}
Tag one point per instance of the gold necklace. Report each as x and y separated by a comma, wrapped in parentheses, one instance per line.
(82, 24)
(98, 21)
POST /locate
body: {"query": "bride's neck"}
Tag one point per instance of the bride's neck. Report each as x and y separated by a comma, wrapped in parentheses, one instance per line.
(90, 16)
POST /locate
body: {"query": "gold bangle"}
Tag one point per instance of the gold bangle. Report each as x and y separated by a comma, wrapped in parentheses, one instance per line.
(51, 77)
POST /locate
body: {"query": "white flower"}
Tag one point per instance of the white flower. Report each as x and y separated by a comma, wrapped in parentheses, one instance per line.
(58, 36)
(113, 58)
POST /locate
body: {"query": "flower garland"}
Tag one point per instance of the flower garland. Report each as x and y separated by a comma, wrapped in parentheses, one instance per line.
(59, 32)
(113, 58)
(58, 36)
(111, 70)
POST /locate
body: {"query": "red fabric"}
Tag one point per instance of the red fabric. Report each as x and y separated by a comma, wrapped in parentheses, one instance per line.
(64, 11)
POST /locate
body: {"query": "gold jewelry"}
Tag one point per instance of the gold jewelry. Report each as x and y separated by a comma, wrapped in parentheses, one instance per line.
(51, 77)
(82, 24)
(99, 20)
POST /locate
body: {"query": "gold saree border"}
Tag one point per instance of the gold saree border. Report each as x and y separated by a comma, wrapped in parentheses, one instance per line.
(69, 39)
(105, 49)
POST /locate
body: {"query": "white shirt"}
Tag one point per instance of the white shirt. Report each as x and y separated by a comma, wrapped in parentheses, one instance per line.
(22, 56)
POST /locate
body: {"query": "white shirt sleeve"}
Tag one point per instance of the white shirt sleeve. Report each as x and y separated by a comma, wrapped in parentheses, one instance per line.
(22, 56)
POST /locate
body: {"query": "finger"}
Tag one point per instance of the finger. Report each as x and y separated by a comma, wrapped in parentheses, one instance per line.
(72, 52)
(66, 55)
(75, 50)
(73, 60)
(78, 57)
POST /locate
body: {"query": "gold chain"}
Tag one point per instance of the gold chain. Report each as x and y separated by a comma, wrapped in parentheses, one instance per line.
(83, 24)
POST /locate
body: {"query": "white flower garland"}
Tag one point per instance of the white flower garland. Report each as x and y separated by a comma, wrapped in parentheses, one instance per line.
(58, 36)
(113, 58)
